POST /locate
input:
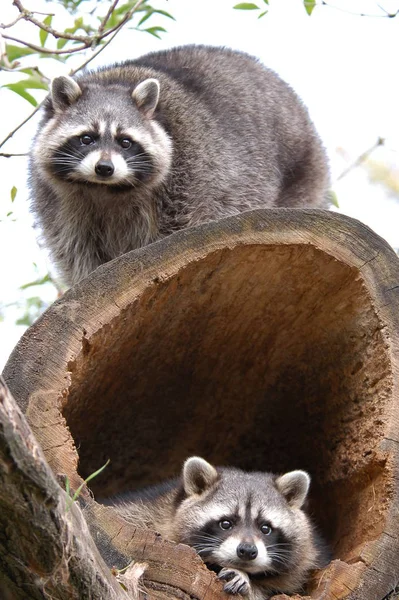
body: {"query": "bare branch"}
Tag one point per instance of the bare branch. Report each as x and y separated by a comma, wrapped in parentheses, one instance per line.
(6, 26)
(6, 155)
(45, 50)
(349, 12)
(107, 16)
(362, 158)
(9, 136)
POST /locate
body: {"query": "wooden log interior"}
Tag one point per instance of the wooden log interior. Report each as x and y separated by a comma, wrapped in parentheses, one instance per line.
(266, 341)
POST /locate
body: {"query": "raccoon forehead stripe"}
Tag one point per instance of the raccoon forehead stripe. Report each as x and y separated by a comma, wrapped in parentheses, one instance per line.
(102, 127)
(138, 135)
(277, 518)
(214, 513)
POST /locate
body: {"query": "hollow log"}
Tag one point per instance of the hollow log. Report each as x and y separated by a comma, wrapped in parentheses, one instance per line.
(266, 341)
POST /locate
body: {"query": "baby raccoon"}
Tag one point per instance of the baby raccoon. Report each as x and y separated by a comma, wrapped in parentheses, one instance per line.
(133, 152)
(249, 527)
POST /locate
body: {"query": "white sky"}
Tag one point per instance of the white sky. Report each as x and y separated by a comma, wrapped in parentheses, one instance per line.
(342, 65)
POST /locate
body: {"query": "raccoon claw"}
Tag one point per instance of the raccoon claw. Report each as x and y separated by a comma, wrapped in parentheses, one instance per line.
(237, 582)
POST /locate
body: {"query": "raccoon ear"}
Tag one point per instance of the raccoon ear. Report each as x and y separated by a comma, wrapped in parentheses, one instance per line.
(64, 92)
(198, 475)
(294, 486)
(146, 96)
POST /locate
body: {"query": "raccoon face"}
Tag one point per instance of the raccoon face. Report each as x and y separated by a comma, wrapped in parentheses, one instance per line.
(248, 521)
(104, 135)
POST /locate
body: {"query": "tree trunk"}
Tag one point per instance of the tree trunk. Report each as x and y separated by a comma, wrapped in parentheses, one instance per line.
(266, 341)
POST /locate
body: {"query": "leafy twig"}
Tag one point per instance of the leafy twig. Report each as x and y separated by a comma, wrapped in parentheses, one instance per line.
(117, 30)
(27, 15)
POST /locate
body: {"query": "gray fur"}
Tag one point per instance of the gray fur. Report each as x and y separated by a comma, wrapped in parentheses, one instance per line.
(191, 510)
(225, 136)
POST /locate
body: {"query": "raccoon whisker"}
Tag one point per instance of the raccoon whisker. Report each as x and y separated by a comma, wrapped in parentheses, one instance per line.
(139, 167)
(206, 537)
(281, 560)
(201, 550)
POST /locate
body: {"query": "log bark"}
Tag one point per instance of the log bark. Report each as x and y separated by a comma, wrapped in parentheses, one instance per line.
(46, 550)
(267, 341)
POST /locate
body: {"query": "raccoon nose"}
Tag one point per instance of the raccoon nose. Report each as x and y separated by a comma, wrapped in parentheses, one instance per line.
(247, 551)
(104, 168)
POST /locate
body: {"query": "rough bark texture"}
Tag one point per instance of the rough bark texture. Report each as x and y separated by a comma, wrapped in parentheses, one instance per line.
(46, 550)
(266, 341)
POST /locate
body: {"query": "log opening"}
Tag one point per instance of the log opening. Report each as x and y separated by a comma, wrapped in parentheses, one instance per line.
(262, 358)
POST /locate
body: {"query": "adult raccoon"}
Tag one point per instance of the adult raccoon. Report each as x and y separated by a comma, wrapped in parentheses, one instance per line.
(133, 152)
(249, 527)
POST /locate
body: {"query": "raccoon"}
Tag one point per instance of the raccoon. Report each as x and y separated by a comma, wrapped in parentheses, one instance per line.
(130, 153)
(248, 527)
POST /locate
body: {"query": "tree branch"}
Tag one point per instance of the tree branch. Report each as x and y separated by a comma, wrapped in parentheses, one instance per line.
(7, 155)
(107, 16)
(356, 14)
(27, 15)
(46, 50)
(362, 158)
(115, 33)
(28, 118)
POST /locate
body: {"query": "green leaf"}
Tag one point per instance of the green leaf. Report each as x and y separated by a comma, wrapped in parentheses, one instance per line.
(13, 193)
(121, 10)
(78, 491)
(39, 281)
(33, 83)
(333, 198)
(164, 13)
(144, 18)
(309, 6)
(43, 35)
(21, 91)
(9, 213)
(89, 478)
(154, 31)
(246, 6)
(262, 14)
(266, 1)
(61, 43)
(15, 52)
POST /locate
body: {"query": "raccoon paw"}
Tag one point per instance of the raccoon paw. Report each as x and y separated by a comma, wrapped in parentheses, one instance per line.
(237, 582)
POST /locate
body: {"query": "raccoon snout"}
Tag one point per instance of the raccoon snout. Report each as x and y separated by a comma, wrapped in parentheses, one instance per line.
(247, 551)
(104, 168)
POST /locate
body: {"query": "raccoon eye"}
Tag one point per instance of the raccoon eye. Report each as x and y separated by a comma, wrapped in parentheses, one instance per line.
(125, 143)
(86, 139)
(225, 524)
(266, 529)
